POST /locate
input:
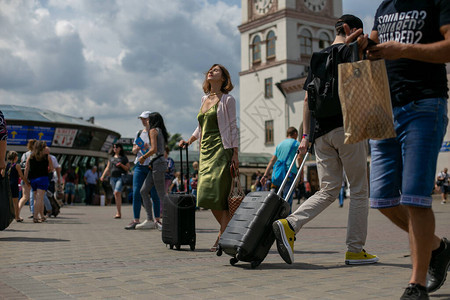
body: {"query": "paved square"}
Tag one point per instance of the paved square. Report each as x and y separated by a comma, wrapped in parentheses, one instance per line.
(86, 254)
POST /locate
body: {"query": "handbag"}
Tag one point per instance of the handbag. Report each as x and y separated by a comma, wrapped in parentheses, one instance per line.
(7, 214)
(236, 193)
(127, 179)
(365, 99)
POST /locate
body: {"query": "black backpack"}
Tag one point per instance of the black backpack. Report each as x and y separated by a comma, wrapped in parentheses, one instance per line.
(323, 96)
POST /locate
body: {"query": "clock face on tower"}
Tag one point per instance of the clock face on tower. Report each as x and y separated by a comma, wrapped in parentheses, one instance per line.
(315, 5)
(262, 6)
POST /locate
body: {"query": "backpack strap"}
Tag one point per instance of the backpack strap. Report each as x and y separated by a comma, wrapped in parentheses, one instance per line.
(138, 134)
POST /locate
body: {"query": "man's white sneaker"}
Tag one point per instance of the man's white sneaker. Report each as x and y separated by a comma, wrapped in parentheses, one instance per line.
(147, 224)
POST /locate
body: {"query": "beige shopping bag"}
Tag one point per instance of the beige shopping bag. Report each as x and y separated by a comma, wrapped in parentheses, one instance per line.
(365, 101)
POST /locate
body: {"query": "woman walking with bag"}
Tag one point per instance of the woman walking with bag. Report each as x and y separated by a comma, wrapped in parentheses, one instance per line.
(117, 165)
(36, 170)
(156, 177)
(218, 134)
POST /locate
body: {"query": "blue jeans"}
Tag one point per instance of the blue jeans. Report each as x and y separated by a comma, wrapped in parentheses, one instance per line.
(116, 184)
(139, 175)
(341, 196)
(412, 155)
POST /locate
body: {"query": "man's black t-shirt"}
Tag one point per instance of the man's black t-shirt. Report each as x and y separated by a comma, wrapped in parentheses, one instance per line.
(413, 22)
(325, 125)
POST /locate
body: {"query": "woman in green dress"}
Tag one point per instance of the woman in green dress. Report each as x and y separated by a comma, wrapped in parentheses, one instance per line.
(218, 135)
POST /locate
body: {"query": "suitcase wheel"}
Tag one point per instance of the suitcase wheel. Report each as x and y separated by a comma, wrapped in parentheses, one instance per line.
(171, 246)
(192, 247)
(178, 247)
(255, 263)
(219, 251)
(233, 261)
(238, 253)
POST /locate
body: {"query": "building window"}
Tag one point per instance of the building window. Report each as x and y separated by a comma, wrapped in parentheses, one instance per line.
(270, 44)
(256, 49)
(268, 87)
(305, 42)
(269, 132)
(324, 40)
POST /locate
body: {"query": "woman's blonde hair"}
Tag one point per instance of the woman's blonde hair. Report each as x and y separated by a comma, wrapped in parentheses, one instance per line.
(30, 144)
(39, 150)
(226, 87)
(12, 155)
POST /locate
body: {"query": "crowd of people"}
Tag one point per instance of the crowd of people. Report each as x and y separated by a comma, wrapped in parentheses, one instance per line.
(402, 173)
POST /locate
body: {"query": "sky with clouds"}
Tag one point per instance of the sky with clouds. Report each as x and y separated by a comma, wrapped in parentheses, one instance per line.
(113, 59)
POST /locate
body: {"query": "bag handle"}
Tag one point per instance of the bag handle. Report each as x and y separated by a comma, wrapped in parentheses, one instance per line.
(233, 170)
(187, 168)
(297, 177)
(236, 184)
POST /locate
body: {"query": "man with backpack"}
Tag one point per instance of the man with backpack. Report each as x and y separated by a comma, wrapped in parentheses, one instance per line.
(332, 155)
(280, 162)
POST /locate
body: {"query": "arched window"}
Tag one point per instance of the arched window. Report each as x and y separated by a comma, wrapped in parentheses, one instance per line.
(305, 42)
(324, 40)
(270, 44)
(256, 47)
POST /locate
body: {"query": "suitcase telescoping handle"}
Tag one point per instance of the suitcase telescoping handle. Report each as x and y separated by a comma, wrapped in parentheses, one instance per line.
(297, 177)
(187, 168)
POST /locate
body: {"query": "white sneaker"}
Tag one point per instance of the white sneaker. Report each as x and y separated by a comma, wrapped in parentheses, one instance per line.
(147, 224)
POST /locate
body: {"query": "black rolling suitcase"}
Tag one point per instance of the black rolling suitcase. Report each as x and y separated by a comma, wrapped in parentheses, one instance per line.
(249, 236)
(179, 215)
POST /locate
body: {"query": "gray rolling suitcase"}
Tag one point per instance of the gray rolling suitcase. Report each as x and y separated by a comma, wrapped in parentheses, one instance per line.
(249, 236)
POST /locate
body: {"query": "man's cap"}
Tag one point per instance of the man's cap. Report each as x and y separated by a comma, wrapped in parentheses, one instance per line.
(145, 114)
(350, 20)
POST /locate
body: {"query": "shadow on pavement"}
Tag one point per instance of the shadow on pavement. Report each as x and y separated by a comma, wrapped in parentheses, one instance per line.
(442, 296)
(325, 227)
(19, 230)
(206, 230)
(29, 239)
(283, 266)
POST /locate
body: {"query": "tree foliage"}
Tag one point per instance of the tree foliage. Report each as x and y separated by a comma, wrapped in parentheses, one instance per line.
(173, 141)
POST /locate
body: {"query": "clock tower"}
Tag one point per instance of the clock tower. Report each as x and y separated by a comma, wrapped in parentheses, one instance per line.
(278, 38)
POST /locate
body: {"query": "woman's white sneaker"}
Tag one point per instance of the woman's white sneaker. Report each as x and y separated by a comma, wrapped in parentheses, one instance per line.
(147, 224)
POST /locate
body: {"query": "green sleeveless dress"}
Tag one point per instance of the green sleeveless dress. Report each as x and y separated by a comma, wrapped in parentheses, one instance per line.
(214, 178)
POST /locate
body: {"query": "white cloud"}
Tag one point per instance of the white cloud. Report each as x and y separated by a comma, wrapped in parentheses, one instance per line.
(64, 28)
(114, 59)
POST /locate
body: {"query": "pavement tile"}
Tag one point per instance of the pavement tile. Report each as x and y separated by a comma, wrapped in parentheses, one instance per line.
(85, 254)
